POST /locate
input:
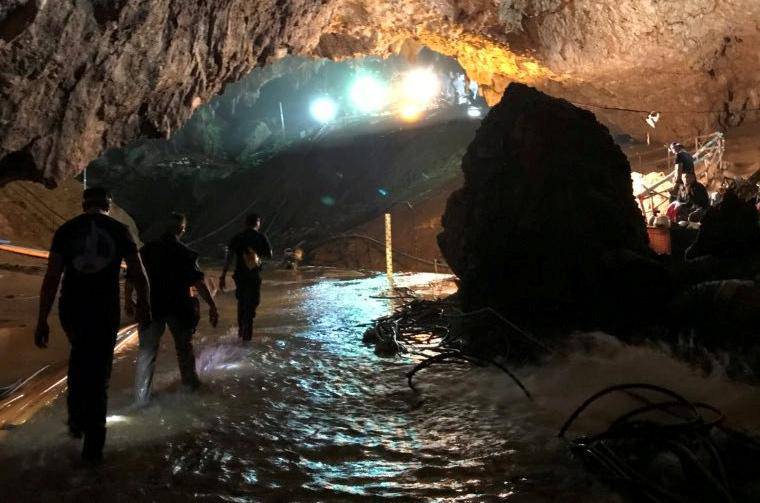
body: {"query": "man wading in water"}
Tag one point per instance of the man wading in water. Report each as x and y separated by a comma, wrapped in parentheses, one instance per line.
(172, 270)
(88, 251)
(247, 249)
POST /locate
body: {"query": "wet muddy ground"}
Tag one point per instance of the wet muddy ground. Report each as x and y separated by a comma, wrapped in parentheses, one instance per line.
(308, 413)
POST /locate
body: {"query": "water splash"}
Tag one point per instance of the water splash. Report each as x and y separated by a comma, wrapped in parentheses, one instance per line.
(306, 412)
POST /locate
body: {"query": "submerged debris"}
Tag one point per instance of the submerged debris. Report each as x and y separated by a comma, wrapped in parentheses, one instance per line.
(480, 338)
(668, 449)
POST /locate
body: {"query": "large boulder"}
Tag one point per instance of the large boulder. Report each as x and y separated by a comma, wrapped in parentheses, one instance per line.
(546, 229)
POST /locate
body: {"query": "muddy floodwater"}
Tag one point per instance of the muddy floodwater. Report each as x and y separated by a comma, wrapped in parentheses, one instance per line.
(308, 413)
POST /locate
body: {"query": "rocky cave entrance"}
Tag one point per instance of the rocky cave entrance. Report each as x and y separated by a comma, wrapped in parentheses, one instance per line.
(321, 149)
(540, 227)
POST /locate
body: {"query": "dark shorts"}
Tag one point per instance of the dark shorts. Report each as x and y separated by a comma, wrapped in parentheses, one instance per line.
(248, 293)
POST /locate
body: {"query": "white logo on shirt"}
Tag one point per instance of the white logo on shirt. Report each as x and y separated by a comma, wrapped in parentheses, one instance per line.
(99, 251)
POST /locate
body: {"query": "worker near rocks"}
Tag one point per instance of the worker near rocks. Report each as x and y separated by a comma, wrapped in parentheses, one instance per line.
(684, 163)
(173, 270)
(247, 249)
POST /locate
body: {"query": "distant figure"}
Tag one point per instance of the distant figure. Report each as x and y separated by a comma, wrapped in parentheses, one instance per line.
(172, 270)
(692, 198)
(247, 249)
(88, 251)
(291, 258)
(684, 163)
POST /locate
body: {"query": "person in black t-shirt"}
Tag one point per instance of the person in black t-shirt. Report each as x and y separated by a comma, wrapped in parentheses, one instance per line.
(172, 270)
(684, 164)
(88, 251)
(247, 249)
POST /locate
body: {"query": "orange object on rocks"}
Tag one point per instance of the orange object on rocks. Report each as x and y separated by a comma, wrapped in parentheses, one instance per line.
(659, 240)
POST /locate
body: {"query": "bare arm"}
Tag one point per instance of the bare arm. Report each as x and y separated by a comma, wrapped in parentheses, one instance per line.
(47, 297)
(203, 291)
(139, 280)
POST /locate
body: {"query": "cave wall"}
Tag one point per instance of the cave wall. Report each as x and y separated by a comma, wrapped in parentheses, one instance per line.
(313, 190)
(693, 60)
(78, 76)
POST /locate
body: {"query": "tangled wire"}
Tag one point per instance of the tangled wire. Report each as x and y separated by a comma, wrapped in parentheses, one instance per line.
(667, 449)
(437, 326)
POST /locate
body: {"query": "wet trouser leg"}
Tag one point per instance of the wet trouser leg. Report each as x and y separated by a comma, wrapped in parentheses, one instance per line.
(248, 294)
(90, 365)
(150, 339)
(183, 343)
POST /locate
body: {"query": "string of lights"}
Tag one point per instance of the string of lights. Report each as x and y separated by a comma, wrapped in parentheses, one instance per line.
(408, 96)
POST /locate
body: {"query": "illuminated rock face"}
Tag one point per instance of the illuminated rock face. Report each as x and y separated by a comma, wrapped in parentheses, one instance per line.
(545, 227)
(79, 76)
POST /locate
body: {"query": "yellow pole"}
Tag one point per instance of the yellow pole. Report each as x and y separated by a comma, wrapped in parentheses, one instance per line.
(388, 246)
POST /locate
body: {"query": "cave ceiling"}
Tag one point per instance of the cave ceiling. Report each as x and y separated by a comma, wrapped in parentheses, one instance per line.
(79, 76)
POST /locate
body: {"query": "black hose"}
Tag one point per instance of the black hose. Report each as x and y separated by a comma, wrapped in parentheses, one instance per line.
(454, 356)
(458, 357)
(622, 387)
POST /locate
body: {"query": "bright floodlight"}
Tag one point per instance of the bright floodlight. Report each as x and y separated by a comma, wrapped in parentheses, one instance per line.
(474, 112)
(368, 94)
(420, 86)
(323, 110)
(410, 112)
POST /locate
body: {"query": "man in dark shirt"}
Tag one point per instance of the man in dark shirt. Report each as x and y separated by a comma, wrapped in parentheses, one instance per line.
(684, 163)
(172, 270)
(247, 249)
(88, 251)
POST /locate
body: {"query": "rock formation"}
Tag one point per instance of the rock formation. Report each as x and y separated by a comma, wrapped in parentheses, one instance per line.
(546, 227)
(78, 76)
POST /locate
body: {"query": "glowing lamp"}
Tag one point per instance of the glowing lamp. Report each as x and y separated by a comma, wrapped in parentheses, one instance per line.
(652, 119)
(474, 112)
(323, 110)
(368, 94)
(410, 112)
(420, 86)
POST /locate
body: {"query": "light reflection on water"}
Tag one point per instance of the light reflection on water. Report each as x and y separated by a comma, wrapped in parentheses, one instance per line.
(309, 413)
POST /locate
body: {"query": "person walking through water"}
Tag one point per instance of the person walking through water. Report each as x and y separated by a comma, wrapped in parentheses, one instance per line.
(88, 251)
(247, 248)
(172, 270)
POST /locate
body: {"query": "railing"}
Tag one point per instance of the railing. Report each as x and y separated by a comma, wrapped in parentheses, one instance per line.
(708, 166)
